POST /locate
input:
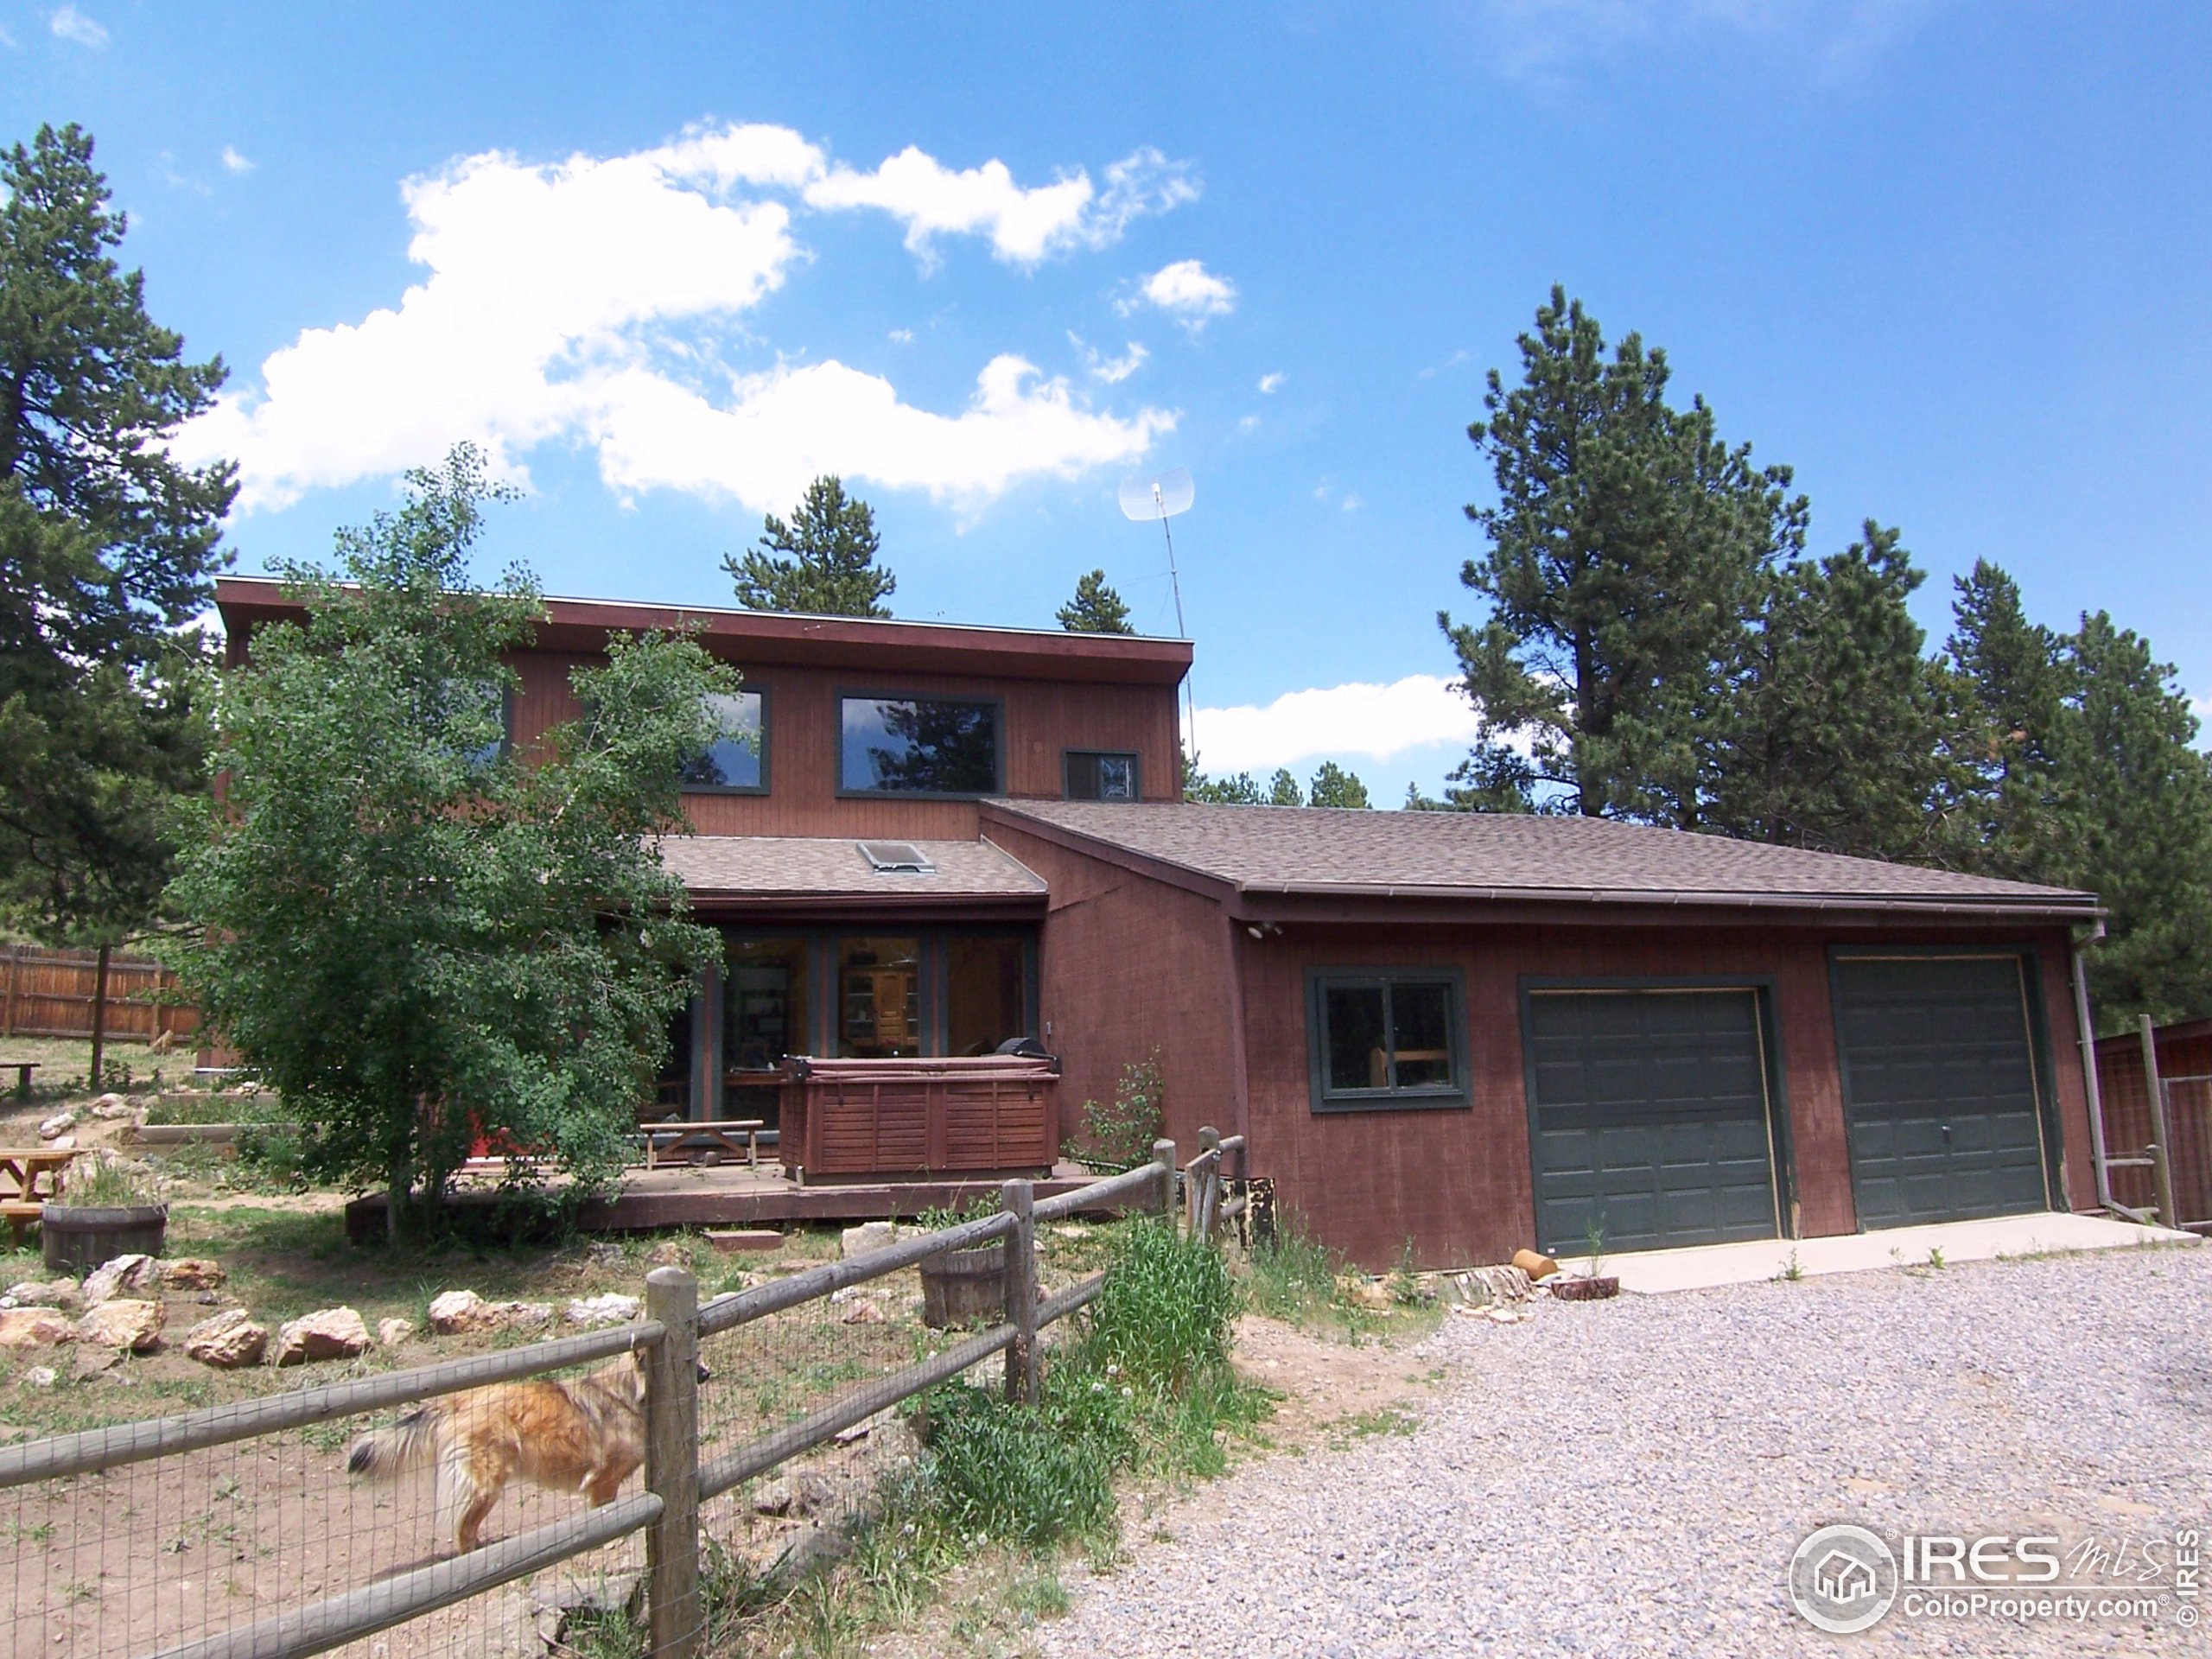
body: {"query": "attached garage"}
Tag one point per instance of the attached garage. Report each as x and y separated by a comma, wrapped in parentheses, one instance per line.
(1942, 1101)
(1650, 1114)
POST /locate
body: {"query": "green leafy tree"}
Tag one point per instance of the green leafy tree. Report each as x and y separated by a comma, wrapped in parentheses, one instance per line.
(416, 934)
(1096, 608)
(1625, 551)
(107, 549)
(1333, 786)
(1283, 791)
(1831, 724)
(822, 563)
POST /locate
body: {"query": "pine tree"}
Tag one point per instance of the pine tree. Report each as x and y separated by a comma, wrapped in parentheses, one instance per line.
(1096, 608)
(1829, 734)
(1283, 791)
(1237, 791)
(107, 548)
(1333, 786)
(822, 563)
(1626, 546)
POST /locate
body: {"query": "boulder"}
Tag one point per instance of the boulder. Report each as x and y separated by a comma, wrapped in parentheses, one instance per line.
(228, 1341)
(192, 1273)
(41, 1376)
(612, 1308)
(862, 1313)
(1533, 1264)
(673, 1253)
(33, 1327)
(390, 1333)
(47, 1293)
(125, 1323)
(868, 1236)
(327, 1333)
(463, 1313)
(739, 1240)
(110, 1106)
(57, 1126)
(123, 1274)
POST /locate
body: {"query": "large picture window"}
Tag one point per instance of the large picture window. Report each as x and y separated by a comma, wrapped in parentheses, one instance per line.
(1391, 1038)
(919, 746)
(738, 759)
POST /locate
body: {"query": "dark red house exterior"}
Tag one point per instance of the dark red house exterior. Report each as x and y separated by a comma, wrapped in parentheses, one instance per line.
(1473, 1032)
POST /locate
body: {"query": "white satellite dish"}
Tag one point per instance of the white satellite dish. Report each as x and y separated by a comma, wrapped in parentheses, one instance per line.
(1162, 497)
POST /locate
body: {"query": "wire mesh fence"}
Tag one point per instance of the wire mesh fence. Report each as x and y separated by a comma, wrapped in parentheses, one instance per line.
(720, 1446)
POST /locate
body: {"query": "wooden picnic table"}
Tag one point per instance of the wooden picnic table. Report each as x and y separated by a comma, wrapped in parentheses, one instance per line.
(22, 1069)
(22, 1169)
(706, 1142)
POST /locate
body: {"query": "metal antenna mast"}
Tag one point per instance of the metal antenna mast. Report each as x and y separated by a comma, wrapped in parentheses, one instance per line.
(1162, 497)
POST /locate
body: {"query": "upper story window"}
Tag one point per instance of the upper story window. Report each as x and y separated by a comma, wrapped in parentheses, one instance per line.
(738, 760)
(481, 709)
(1102, 775)
(919, 746)
(1391, 1038)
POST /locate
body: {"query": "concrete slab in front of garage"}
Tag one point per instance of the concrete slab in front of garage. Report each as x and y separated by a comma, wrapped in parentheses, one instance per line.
(1701, 1265)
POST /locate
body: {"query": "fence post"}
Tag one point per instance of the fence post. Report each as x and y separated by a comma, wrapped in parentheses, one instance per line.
(1203, 1197)
(15, 974)
(1022, 1388)
(1163, 1154)
(673, 1613)
(2162, 1167)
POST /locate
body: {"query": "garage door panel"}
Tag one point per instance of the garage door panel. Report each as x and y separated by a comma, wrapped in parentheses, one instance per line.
(1941, 1089)
(1650, 1112)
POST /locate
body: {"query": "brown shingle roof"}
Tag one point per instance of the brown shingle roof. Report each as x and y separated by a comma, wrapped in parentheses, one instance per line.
(800, 867)
(1263, 849)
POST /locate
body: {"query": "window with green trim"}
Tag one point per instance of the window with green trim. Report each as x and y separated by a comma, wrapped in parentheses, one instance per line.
(1386, 1038)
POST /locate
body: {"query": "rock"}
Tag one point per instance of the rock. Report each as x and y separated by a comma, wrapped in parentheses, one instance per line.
(673, 1253)
(463, 1313)
(327, 1333)
(1485, 1287)
(192, 1272)
(1534, 1265)
(33, 1327)
(603, 1254)
(49, 1293)
(41, 1376)
(612, 1308)
(57, 1126)
(122, 1274)
(868, 1236)
(228, 1341)
(775, 1498)
(110, 1106)
(390, 1333)
(124, 1323)
(1371, 1293)
(862, 1313)
(738, 1241)
(62, 1143)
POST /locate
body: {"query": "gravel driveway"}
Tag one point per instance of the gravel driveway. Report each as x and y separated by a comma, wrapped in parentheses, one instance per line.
(1633, 1478)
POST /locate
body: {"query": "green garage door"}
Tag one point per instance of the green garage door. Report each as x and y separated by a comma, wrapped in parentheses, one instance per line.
(1939, 1088)
(1649, 1114)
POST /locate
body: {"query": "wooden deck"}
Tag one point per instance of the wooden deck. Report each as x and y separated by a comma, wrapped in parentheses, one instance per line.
(733, 1195)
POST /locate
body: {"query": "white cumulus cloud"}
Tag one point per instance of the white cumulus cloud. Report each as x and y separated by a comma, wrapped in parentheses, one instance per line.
(235, 162)
(1187, 291)
(1357, 719)
(586, 300)
(1112, 370)
(1271, 384)
(70, 24)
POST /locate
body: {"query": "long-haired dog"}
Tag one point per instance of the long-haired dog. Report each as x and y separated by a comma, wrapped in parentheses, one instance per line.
(585, 1436)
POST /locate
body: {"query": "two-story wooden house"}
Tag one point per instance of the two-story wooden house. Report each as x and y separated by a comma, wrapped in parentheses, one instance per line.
(1471, 1031)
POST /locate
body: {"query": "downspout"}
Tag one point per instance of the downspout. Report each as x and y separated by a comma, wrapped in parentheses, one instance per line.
(1239, 1068)
(2087, 1034)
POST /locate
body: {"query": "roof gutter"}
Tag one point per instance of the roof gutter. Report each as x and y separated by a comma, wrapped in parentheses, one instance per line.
(2082, 910)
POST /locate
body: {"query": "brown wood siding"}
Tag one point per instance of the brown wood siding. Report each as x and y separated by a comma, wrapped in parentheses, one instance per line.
(1459, 1182)
(1042, 720)
(1128, 965)
(2183, 1051)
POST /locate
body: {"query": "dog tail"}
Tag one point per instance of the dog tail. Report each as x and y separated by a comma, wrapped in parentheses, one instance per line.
(410, 1443)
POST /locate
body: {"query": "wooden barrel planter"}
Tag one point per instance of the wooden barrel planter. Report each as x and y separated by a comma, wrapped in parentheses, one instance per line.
(78, 1238)
(964, 1287)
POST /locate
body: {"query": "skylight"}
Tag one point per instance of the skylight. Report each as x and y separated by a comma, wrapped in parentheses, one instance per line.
(902, 857)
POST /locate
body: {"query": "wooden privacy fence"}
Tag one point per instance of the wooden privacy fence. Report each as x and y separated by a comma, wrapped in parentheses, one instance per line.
(57, 1604)
(2155, 1089)
(47, 993)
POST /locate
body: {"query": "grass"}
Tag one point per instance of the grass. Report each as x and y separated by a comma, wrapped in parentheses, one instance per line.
(1290, 1275)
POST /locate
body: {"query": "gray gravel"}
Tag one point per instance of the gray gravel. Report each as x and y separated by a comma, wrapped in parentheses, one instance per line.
(1631, 1478)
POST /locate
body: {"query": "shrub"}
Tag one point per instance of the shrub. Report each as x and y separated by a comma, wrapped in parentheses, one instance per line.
(1163, 1313)
(1120, 1136)
(1016, 1473)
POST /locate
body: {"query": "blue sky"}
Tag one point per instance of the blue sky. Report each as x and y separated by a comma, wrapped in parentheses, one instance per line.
(1949, 260)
